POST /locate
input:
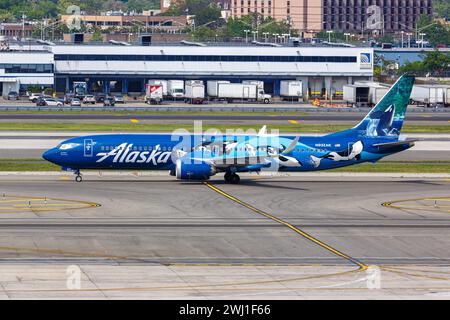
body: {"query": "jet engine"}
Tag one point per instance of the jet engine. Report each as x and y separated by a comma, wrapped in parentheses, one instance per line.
(194, 171)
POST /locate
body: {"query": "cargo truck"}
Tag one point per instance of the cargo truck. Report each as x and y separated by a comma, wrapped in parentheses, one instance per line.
(428, 95)
(153, 94)
(212, 88)
(175, 89)
(447, 97)
(291, 89)
(242, 92)
(356, 95)
(162, 83)
(194, 92)
(258, 83)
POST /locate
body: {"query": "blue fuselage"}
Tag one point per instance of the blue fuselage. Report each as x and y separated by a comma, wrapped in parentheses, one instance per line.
(156, 151)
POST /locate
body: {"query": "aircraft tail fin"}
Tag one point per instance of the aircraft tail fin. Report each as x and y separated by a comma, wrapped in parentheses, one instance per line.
(386, 118)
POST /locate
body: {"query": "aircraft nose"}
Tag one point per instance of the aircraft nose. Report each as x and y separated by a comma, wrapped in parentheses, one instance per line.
(50, 155)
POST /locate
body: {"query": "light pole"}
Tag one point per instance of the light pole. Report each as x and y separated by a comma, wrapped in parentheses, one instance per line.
(246, 35)
(403, 32)
(422, 34)
(409, 34)
(255, 35)
(275, 35)
(346, 36)
(329, 35)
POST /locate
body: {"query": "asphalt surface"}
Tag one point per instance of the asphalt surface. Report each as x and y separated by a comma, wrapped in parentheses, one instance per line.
(127, 231)
(159, 220)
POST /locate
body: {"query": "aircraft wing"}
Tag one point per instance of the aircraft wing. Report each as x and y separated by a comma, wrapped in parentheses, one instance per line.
(247, 160)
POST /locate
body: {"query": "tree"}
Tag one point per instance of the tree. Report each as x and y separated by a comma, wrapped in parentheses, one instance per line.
(204, 10)
(436, 61)
(441, 8)
(436, 33)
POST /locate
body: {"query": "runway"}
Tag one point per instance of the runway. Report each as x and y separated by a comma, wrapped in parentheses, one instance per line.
(144, 236)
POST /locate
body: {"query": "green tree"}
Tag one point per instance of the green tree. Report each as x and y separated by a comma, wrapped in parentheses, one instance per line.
(441, 8)
(436, 32)
(436, 61)
(204, 11)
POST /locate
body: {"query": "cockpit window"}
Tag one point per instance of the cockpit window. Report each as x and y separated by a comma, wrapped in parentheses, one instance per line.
(67, 146)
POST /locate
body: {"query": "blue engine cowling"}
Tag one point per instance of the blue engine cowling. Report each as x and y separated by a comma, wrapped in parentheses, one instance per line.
(194, 171)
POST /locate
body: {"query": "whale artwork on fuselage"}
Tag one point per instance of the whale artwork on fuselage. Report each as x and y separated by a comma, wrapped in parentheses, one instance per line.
(199, 157)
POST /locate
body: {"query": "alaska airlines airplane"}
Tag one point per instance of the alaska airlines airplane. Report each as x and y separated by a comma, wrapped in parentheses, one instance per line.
(198, 157)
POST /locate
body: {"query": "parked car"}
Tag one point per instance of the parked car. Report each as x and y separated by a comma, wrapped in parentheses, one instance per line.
(13, 95)
(68, 98)
(75, 102)
(34, 96)
(52, 102)
(40, 101)
(109, 102)
(100, 97)
(89, 99)
(119, 98)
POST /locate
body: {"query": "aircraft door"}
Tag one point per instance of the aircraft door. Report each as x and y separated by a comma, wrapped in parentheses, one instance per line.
(88, 147)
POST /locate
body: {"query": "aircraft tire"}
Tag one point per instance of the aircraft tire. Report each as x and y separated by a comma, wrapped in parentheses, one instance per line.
(78, 178)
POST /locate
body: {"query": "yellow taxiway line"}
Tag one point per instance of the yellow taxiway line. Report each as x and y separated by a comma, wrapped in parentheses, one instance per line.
(305, 235)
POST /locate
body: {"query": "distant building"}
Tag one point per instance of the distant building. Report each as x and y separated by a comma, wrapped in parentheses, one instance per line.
(312, 16)
(148, 22)
(16, 30)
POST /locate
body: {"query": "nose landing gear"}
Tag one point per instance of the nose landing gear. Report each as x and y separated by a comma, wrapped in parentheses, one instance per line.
(78, 178)
(232, 178)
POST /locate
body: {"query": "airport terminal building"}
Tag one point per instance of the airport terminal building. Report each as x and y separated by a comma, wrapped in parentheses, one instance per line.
(126, 69)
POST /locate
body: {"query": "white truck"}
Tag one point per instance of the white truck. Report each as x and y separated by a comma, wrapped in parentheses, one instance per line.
(162, 83)
(154, 93)
(212, 87)
(258, 83)
(356, 95)
(291, 89)
(242, 92)
(428, 95)
(447, 97)
(194, 92)
(175, 89)
(376, 93)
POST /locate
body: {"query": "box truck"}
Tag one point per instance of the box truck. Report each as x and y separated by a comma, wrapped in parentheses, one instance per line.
(447, 97)
(258, 83)
(162, 83)
(242, 92)
(153, 94)
(175, 89)
(428, 95)
(291, 89)
(356, 95)
(212, 87)
(194, 92)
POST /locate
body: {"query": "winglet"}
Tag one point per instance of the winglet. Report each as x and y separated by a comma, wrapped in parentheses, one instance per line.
(263, 131)
(292, 145)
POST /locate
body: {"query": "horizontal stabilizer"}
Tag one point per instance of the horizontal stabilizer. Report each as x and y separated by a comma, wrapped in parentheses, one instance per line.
(389, 145)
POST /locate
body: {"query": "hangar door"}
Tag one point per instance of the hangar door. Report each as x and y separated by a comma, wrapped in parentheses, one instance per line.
(316, 88)
(337, 88)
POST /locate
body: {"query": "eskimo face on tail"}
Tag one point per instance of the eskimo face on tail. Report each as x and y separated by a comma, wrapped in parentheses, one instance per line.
(345, 155)
(380, 123)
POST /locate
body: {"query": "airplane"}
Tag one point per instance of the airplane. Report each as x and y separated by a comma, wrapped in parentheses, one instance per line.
(199, 157)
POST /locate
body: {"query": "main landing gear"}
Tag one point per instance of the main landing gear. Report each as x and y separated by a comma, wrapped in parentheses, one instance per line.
(232, 178)
(78, 178)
